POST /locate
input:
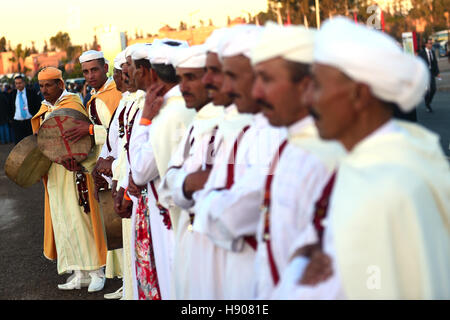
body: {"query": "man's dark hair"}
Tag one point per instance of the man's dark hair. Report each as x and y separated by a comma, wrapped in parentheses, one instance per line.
(166, 72)
(143, 63)
(19, 77)
(172, 43)
(101, 62)
(298, 70)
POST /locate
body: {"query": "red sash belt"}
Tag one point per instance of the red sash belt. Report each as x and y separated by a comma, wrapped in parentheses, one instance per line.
(266, 212)
(321, 207)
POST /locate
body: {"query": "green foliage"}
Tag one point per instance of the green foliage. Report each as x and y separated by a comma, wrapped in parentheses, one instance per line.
(61, 41)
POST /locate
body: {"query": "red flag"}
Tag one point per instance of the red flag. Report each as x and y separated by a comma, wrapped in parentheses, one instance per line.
(288, 22)
(355, 17)
(382, 20)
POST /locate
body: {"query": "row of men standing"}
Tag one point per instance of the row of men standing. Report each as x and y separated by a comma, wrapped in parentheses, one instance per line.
(241, 172)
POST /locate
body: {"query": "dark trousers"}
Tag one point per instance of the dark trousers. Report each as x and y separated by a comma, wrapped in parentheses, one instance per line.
(21, 129)
(5, 136)
(431, 91)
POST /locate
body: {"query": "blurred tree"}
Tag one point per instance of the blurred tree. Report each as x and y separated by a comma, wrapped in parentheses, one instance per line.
(33, 47)
(60, 41)
(19, 56)
(183, 26)
(3, 44)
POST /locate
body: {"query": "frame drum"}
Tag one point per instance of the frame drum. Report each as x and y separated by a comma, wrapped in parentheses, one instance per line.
(111, 220)
(26, 164)
(52, 143)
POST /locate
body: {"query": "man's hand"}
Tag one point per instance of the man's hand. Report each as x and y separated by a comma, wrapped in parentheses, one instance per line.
(308, 250)
(78, 132)
(113, 189)
(153, 101)
(121, 206)
(104, 166)
(194, 182)
(71, 165)
(133, 188)
(99, 182)
(318, 270)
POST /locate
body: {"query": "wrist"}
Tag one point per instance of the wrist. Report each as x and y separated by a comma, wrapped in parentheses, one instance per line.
(145, 121)
(186, 192)
(125, 195)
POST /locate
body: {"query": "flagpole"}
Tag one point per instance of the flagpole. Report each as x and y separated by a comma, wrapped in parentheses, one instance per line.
(317, 14)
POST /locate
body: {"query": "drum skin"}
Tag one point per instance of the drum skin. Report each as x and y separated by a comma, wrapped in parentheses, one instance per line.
(26, 164)
(111, 220)
(54, 146)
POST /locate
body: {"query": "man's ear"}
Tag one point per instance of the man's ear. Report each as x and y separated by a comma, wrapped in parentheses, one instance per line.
(303, 85)
(153, 75)
(105, 68)
(361, 96)
(61, 85)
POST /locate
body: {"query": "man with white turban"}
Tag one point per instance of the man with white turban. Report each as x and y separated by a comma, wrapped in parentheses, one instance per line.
(103, 102)
(191, 161)
(281, 60)
(157, 131)
(227, 209)
(382, 221)
(119, 167)
(103, 170)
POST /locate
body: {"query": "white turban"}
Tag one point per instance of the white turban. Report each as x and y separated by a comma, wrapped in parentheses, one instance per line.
(129, 50)
(119, 60)
(191, 57)
(162, 53)
(294, 43)
(374, 58)
(239, 40)
(141, 51)
(91, 55)
(212, 42)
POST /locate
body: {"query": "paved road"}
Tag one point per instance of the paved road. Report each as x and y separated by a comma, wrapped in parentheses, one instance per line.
(26, 274)
(24, 271)
(439, 120)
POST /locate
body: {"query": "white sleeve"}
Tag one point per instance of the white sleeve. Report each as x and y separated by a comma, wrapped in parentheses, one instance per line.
(100, 131)
(235, 212)
(178, 176)
(113, 134)
(143, 163)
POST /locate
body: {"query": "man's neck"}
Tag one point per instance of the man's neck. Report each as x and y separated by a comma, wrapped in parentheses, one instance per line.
(97, 89)
(361, 130)
(202, 106)
(53, 102)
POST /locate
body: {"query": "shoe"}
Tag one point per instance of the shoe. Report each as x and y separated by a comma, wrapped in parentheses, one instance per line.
(118, 294)
(429, 109)
(75, 281)
(97, 283)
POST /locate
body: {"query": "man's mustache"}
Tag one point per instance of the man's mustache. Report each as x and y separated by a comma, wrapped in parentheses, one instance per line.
(264, 104)
(313, 113)
(233, 95)
(211, 87)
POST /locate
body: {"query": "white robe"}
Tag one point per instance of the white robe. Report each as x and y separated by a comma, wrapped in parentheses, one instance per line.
(388, 224)
(299, 178)
(114, 258)
(191, 156)
(228, 215)
(120, 168)
(150, 150)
